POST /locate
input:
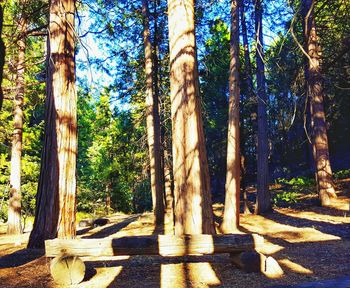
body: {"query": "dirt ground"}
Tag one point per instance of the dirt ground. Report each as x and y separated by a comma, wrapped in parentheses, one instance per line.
(309, 242)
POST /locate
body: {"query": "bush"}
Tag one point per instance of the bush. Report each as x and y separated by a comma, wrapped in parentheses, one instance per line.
(342, 174)
(283, 198)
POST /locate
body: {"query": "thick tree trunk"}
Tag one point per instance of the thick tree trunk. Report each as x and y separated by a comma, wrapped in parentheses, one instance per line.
(153, 124)
(263, 201)
(315, 93)
(2, 55)
(193, 210)
(246, 51)
(14, 209)
(231, 212)
(56, 197)
(249, 81)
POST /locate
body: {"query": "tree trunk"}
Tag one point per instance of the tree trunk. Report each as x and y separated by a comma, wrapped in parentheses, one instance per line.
(2, 55)
(56, 197)
(263, 201)
(193, 210)
(246, 52)
(250, 86)
(153, 124)
(231, 212)
(14, 209)
(315, 93)
(169, 191)
(108, 189)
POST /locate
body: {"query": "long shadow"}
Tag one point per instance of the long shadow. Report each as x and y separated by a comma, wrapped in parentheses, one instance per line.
(20, 257)
(340, 230)
(110, 230)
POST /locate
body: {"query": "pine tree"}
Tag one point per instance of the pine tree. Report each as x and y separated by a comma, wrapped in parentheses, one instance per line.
(56, 197)
(315, 94)
(232, 196)
(263, 201)
(153, 120)
(193, 210)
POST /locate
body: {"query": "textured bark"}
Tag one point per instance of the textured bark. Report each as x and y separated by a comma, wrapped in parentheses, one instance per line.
(263, 201)
(246, 51)
(153, 124)
(231, 212)
(315, 93)
(193, 210)
(56, 197)
(14, 210)
(249, 81)
(164, 245)
(2, 55)
(169, 191)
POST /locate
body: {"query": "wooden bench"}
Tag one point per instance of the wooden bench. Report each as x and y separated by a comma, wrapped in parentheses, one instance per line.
(68, 268)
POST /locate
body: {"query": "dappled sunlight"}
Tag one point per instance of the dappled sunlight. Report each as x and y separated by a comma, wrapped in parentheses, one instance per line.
(297, 268)
(265, 226)
(172, 275)
(311, 215)
(103, 277)
(202, 273)
(199, 274)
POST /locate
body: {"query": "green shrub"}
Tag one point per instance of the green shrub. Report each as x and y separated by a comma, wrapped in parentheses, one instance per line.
(285, 198)
(342, 174)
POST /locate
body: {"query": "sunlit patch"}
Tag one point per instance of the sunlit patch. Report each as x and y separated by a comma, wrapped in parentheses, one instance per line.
(103, 277)
(203, 274)
(289, 233)
(295, 267)
(172, 275)
(188, 275)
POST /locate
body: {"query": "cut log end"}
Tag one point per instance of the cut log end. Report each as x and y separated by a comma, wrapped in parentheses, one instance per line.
(67, 270)
(253, 261)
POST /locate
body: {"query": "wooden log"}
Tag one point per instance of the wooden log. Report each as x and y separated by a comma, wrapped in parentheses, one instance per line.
(67, 270)
(164, 245)
(252, 261)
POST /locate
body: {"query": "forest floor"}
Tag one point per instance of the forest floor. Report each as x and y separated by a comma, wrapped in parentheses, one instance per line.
(309, 242)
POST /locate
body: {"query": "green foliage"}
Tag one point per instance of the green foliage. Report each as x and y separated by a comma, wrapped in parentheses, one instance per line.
(285, 197)
(297, 181)
(342, 174)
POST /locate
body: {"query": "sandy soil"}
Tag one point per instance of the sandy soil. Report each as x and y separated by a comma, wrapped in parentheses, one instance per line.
(309, 242)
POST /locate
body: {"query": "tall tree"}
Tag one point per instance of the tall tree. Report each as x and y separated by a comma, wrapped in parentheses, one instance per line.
(231, 212)
(2, 55)
(56, 197)
(14, 210)
(263, 201)
(153, 120)
(193, 210)
(315, 94)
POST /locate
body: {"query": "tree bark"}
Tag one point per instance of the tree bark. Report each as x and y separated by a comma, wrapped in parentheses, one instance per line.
(232, 204)
(325, 185)
(249, 81)
(2, 55)
(246, 51)
(263, 201)
(153, 124)
(14, 210)
(193, 210)
(164, 245)
(56, 197)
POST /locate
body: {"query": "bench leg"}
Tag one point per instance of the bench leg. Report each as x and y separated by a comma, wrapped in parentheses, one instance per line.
(252, 261)
(67, 270)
